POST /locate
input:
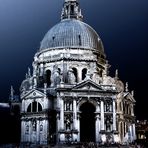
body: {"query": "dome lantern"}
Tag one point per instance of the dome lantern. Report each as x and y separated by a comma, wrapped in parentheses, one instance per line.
(71, 10)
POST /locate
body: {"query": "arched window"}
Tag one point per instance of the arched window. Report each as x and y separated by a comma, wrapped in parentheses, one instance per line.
(72, 9)
(101, 72)
(75, 73)
(48, 77)
(39, 107)
(121, 129)
(84, 72)
(29, 108)
(120, 105)
(59, 70)
(34, 107)
(123, 107)
(80, 43)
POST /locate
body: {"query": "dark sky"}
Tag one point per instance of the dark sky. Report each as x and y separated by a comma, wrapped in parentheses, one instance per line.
(121, 24)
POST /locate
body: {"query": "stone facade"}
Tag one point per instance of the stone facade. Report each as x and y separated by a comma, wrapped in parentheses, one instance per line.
(70, 78)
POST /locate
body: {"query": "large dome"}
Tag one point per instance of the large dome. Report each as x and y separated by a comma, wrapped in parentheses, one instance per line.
(72, 33)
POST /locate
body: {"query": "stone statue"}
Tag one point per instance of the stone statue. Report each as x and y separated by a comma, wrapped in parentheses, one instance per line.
(71, 77)
(96, 78)
(56, 75)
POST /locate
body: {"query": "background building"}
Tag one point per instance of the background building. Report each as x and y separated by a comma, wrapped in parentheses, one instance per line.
(10, 121)
(142, 132)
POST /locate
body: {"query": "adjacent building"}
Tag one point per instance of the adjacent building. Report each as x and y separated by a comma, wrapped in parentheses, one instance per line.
(142, 131)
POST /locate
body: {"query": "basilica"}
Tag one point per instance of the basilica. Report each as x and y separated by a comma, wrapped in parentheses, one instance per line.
(69, 96)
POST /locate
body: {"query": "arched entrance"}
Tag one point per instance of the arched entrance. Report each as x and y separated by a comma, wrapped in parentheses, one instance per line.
(87, 122)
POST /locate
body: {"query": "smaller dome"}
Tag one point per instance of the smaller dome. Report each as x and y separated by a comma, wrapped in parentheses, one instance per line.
(74, 34)
(26, 84)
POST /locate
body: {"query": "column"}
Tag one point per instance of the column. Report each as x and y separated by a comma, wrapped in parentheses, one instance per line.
(22, 131)
(41, 69)
(38, 131)
(102, 115)
(97, 123)
(74, 115)
(46, 103)
(31, 107)
(134, 132)
(78, 127)
(132, 110)
(30, 131)
(62, 136)
(58, 102)
(122, 132)
(58, 115)
(45, 131)
(34, 74)
(114, 115)
(23, 106)
(37, 107)
(97, 128)
(79, 75)
(131, 134)
(62, 115)
(47, 137)
(58, 127)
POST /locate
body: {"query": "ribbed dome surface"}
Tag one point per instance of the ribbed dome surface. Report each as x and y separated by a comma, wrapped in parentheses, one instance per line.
(72, 33)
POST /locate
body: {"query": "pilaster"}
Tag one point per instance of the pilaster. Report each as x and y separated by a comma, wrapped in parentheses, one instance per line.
(38, 131)
(62, 114)
(134, 132)
(97, 130)
(114, 115)
(102, 115)
(78, 126)
(41, 69)
(74, 114)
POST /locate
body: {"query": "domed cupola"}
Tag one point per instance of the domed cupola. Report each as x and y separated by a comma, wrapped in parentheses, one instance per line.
(70, 51)
(72, 32)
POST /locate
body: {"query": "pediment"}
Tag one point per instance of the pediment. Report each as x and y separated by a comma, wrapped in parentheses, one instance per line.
(129, 97)
(87, 85)
(34, 94)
